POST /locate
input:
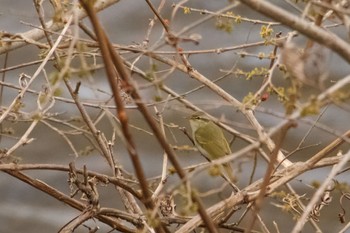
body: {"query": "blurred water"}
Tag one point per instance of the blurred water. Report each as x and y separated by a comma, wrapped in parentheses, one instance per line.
(23, 209)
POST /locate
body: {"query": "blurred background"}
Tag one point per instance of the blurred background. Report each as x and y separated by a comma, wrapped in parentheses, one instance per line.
(24, 209)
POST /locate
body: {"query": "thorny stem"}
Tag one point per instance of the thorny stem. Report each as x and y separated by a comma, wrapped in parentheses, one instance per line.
(118, 63)
(313, 32)
(106, 55)
(66, 199)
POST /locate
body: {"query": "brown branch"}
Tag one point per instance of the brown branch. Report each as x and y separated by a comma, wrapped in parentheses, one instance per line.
(107, 58)
(329, 148)
(322, 36)
(158, 133)
(248, 113)
(37, 184)
(54, 167)
(95, 132)
(160, 18)
(250, 193)
(77, 221)
(118, 63)
(37, 34)
(268, 174)
(2, 88)
(39, 10)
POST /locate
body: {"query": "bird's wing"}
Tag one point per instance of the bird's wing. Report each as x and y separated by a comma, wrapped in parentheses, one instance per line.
(207, 137)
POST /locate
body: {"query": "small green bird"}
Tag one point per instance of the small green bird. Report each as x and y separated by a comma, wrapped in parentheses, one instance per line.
(210, 141)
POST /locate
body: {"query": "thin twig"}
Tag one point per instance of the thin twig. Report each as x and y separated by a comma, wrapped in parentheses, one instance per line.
(321, 36)
(37, 184)
(35, 75)
(302, 220)
(37, 34)
(108, 57)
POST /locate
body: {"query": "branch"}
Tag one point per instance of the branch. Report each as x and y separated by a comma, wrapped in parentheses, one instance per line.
(251, 192)
(38, 33)
(67, 200)
(54, 167)
(302, 220)
(316, 33)
(230, 99)
(109, 55)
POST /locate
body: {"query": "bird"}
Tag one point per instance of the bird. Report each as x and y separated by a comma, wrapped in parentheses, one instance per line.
(211, 142)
